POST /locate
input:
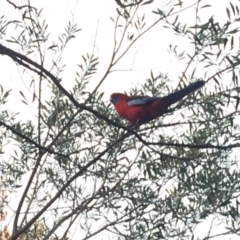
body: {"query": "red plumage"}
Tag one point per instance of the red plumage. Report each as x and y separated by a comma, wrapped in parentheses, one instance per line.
(142, 109)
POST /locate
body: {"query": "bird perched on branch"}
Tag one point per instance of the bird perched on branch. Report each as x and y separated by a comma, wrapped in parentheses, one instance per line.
(142, 109)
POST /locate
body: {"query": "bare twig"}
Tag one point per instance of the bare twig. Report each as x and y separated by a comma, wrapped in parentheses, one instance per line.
(20, 7)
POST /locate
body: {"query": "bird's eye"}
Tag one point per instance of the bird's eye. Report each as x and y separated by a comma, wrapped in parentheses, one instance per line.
(114, 100)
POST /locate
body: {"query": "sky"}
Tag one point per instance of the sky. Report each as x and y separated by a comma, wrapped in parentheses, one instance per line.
(148, 54)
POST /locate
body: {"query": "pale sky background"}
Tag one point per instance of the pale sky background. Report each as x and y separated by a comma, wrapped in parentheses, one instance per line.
(93, 17)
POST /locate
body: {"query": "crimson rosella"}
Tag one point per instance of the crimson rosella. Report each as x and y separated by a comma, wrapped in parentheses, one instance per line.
(142, 109)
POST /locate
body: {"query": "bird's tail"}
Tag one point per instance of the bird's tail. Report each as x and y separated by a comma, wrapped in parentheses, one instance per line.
(178, 95)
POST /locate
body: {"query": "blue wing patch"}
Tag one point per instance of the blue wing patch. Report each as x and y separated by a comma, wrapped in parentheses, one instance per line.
(138, 101)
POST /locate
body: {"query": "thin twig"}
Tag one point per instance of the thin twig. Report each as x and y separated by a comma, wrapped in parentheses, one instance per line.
(20, 7)
(29, 140)
(59, 193)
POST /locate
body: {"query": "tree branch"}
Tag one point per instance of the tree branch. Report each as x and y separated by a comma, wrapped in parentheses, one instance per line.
(20, 7)
(75, 176)
(29, 140)
(209, 145)
(20, 58)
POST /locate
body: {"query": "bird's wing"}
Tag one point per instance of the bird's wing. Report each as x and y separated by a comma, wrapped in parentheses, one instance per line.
(140, 101)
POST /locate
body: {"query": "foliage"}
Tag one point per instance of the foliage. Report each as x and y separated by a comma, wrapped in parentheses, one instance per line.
(75, 164)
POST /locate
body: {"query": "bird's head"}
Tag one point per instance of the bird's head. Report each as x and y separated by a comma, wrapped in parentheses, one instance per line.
(116, 97)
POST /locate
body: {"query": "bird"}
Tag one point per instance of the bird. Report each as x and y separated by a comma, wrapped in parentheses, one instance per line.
(142, 109)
